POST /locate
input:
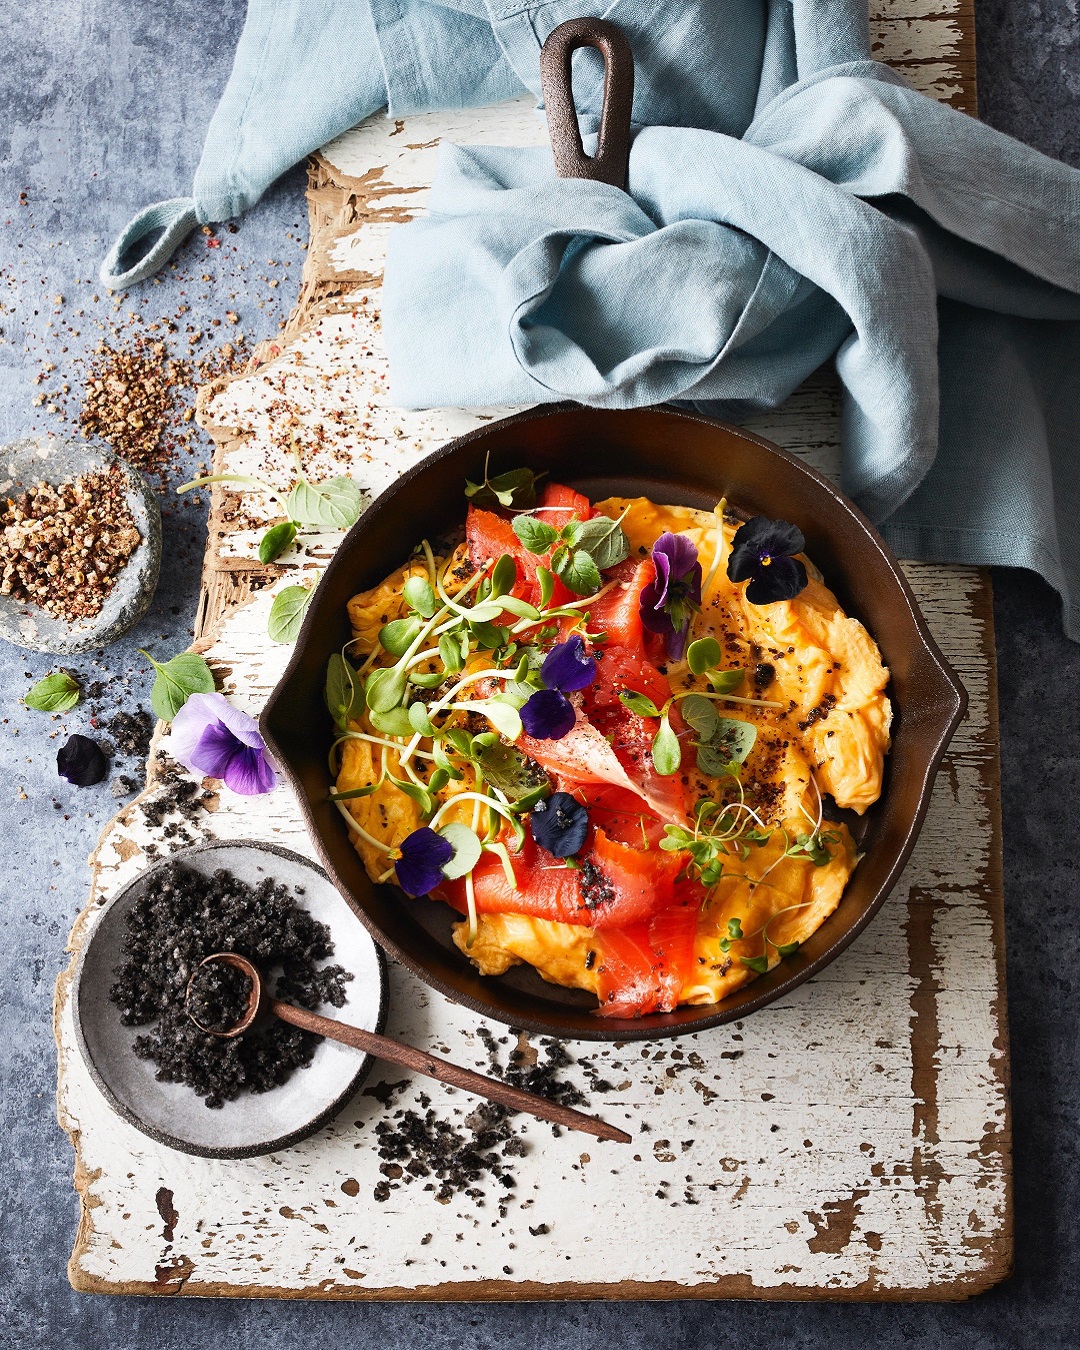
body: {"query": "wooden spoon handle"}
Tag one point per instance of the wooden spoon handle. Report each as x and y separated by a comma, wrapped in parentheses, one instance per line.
(435, 1067)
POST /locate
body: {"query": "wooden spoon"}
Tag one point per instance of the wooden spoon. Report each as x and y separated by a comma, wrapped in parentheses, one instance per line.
(371, 1043)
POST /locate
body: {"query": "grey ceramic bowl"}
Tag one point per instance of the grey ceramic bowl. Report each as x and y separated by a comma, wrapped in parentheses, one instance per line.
(255, 1123)
(48, 459)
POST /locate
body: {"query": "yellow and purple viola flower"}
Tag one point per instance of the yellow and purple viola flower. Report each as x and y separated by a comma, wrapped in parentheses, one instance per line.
(762, 553)
(549, 715)
(212, 737)
(669, 602)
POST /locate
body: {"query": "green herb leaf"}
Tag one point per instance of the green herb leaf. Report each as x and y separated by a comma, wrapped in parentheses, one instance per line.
(698, 712)
(287, 613)
(385, 689)
(522, 608)
(639, 703)
(438, 780)
(467, 850)
(488, 637)
(394, 722)
(734, 929)
(427, 679)
(419, 596)
(715, 763)
(703, 655)
(577, 571)
(504, 717)
(515, 488)
(353, 793)
(758, 964)
(399, 635)
(343, 693)
(443, 763)
(503, 575)
(537, 535)
(419, 720)
(725, 681)
(420, 795)
(666, 751)
(333, 505)
(462, 742)
(546, 580)
(513, 773)
(276, 540)
(176, 681)
(602, 539)
(788, 948)
(450, 654)
(735, 738)
(486, 611)
(55, 693)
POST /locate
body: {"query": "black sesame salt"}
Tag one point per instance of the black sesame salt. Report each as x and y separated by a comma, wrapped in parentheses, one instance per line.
(218, 996)
(183, 917)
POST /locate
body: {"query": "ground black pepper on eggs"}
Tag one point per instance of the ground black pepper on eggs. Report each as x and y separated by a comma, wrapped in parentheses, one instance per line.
(183, 917)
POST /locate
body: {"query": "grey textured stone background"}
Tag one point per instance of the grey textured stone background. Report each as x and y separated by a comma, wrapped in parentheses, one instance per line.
(103, 104)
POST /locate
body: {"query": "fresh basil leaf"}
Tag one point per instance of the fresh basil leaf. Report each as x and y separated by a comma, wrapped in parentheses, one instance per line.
(177, 680)
(513, 773)
(758, 964)
(735, 737)
(276, 540)
(725, 681)
(515, 488)
(343, 693)
(546, 580)
(450, 654)
(393, 722)
(577, 572)
(603, 540)
(385, 689)
(698, 712)
(666, 751)
(537, 535)
(287, 613)
(703, 655)
(419, 596)
(419, 720)
(57, 692)
(504, 575)
(716, 762)
(399, 635)
(467, 849)
(639, 703)
(333, 505)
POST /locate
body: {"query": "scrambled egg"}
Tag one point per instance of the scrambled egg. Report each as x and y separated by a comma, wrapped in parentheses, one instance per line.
(829, 735)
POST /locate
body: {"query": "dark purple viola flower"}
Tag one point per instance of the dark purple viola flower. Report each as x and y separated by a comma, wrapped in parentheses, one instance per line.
(210, 736)
(559, 824)
(424, 854)
(762, 553)
(568, 666)
(81, 761)
(548, 715)
(669, 602)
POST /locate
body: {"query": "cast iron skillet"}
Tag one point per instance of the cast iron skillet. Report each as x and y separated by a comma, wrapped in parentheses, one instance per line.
(672, 457)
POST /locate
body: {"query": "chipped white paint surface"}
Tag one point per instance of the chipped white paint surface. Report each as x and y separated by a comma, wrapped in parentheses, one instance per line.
(850, 1141)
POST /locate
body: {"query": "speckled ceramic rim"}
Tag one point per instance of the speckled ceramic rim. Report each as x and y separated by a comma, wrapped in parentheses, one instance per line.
(294, 704)
(250, 1150)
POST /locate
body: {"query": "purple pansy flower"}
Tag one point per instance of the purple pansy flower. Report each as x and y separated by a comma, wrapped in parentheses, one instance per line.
(668, 602)
(424, 854)
(210, 736)
(761, 552)
(559, 824)
(549, 715)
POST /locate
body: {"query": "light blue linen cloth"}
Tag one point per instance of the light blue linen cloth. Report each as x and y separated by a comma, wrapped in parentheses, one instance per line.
(790, 201)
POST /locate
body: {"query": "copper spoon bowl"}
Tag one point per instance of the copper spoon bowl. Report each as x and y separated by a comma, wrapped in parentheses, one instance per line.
(371, 1043)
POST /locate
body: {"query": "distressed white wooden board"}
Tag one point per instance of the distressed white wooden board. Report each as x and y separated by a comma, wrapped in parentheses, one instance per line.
(849, 1142)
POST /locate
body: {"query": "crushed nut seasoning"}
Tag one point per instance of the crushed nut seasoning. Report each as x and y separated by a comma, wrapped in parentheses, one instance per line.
(184, 917)
(62, 547)
(130, 399)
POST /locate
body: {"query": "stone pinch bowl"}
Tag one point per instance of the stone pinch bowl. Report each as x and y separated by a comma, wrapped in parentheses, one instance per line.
(255, 1123)
(53, 460)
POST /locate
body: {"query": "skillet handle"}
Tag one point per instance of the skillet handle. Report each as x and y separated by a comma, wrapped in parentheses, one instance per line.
(609, 165)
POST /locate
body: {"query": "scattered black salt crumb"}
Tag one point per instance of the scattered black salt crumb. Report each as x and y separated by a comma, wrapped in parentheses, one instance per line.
(184, 917)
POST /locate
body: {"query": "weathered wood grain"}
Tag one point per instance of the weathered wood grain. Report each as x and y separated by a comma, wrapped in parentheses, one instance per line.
(849, 1142)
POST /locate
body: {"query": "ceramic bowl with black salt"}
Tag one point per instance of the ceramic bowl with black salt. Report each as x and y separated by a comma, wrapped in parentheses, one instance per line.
(104, 576)
(270, 1087)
